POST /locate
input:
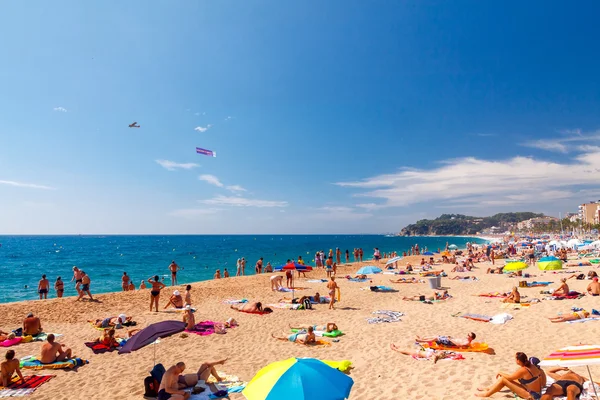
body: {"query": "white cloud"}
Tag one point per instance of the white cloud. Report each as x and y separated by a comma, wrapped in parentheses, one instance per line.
(236, 188)
(547, 144)
(236, 201)
(519, 180)
(335, 209)
(26, 185)
(172, 165)
(228, 118)
(60, 109)
(203, 128)
(211, 179)
(194, 212)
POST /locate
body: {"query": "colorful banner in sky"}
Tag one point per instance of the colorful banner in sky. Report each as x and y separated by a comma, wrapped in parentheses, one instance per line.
(206, 152)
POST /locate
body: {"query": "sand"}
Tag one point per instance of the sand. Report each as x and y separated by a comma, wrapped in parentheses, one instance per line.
(378, 373)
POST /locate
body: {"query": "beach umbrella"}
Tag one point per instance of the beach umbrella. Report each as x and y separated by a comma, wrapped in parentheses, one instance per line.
(515, 266)
(573, 356)
(393, 260)
(428, 253)
(453, 247)
(152, 332)
(368, 269)
(299, 379)
(550, 263)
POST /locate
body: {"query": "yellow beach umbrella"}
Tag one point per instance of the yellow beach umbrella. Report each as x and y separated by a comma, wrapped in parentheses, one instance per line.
(515, 266)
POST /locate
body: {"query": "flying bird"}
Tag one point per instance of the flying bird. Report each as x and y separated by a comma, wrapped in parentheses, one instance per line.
(134, 125)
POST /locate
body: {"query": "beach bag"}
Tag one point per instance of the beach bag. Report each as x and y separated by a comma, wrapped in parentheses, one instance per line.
(522, 283)
(151, 386)
(307, 304)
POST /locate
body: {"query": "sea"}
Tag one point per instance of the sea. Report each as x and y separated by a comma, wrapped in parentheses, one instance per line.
(23, 259)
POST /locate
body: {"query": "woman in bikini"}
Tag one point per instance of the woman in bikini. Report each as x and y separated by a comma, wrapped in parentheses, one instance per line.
(157, 286)
(330, 327)
(307, 337)
(513, 297)
(59, 286)
(570, 317)
(568, 384)
(526, 382)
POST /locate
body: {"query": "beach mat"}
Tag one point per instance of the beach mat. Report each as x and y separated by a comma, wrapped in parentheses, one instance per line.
(235, 301)
(21, 389)
(285, 306)
(100, 348)
(474, 347)
(385, 316)
(477, 317)
(33, 363)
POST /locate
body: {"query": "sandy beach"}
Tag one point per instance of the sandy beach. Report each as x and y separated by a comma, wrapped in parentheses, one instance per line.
(378, 373)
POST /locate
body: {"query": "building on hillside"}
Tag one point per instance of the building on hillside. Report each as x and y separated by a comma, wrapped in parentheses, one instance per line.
(589, 213)
(573, 217)
(530, 223)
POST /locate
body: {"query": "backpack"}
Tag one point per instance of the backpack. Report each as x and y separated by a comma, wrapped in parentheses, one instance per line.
(307, 304)
(151, 386)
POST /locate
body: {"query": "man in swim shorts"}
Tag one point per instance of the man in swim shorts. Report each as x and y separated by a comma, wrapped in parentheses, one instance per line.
(448, 341)
(568, 384)
(9, 367)
(43, 287)
(169, 386)
(85, 286)
(173, 267)
(594, 288)
(53, 351)
(77, 278)
(32, 325)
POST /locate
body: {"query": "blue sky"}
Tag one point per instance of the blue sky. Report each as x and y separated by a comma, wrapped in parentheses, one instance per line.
(327, 117)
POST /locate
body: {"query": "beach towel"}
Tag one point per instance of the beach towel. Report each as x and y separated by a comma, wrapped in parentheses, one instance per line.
(32, 362)
(176, 310)
(285, 306)
(230, 383)
(235, 301)
(206, 328)
(283, 289)
(342, 366)
(501, 319)
(334, 333)
(100, 348)
(382, 289)
(357, 280)
(571, 296)
(30, 384)
(474, 347)
(493, 295)
(445, 355)
(385, 316)
(409, 281)
(316, 280)
(42, 337)
(11, 342)
(477, 317)
(538, 284)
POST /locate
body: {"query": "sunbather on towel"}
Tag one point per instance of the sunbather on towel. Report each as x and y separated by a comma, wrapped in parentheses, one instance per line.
(111, 321)
(250, 307)
(53, 351)
(429, 354)
(299, 337)
(108, 338)
(569, 384)
(204, 372)
(526, 382)
(464, 278)
(570, 317)
(330, 327)
(5, 336)
(405, 280)
(513, 297)
(32, 325)
(563, 290)
(497, 270)
(436, 296)
(448, 341)
(9, 367)
(169, 385)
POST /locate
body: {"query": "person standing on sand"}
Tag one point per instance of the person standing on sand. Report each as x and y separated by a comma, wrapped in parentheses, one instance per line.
(301, 262)
(338, 255)
(243, 266)
(59, 286)
(332, 286)
(77, 278)
(125, 282)
(85, 286)
(225, 273)
(238, 265)
(173, 267)
(258, 266)
(43, 287)
(157, 286)
(347, 256)
(329, 266)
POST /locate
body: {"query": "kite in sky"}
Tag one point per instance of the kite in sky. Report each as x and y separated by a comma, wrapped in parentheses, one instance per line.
(206, 152)
(134, 125)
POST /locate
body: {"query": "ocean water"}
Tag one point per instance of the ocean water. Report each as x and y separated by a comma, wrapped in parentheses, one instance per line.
(23, 259)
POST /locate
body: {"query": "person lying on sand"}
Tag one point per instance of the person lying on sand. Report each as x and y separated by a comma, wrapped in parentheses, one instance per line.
(405, 280)
(570, 317)
(250, 307)
(9, 367)
(363, 276)
(6, 336)
(189, 319)
(303, 338)
(53, 351)
(432, 273)
(330, 327)
(111, 321)
(563, 290)
(513, 297)
(204, 372)
(32, 325)
(429, 354)
(497, 270)
(593, 288)
(516, 274)
(436, 296)
(464, 278)
(526, 382)
(176, 300)
(569, 384)
(448, 341)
